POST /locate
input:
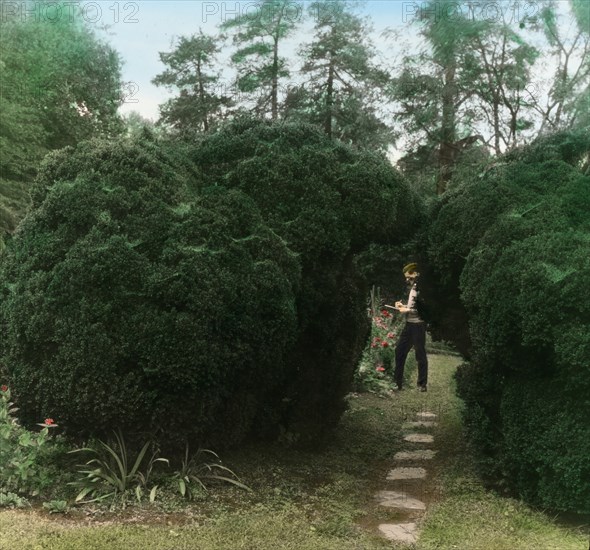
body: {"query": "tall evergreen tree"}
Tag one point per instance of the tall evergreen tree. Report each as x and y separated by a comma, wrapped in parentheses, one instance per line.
(259, 37)
(343, 85)
(434, 89)
(198, 105)
(470, 81)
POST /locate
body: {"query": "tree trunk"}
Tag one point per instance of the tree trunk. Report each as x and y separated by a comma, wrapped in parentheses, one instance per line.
(329, 98)
(496, 114)
(447, 131)
(202, 95)
(274, 98)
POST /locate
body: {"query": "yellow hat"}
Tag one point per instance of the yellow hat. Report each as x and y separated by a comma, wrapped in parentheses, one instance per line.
(410, 267)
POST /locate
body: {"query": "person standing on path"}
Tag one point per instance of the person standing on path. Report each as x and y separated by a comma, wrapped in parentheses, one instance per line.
(413, 333)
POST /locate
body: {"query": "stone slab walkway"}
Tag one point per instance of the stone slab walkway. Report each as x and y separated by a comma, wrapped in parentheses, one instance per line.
(419, 438)
(399, 499)
(426, 414)
(400, 493)
(402, 532)
(406, 473)
(415, 455)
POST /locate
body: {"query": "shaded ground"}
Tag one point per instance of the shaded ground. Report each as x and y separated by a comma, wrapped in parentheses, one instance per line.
(320, 499)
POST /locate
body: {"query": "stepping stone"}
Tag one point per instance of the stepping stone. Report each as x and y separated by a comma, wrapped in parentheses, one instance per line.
(419, 438)
(406, 473)
(426, 415)
(419, 424)
(400, 532)
(397, 499)
(414, 455)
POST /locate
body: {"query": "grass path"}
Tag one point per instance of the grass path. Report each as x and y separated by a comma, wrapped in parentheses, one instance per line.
(319, 499)
(461, 513)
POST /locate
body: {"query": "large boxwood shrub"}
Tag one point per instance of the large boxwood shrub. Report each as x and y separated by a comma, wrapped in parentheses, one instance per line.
(515, 244)
(197, 290)
(129, 300)
(330, 204)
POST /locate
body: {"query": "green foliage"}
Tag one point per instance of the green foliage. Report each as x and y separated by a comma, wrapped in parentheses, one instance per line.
(196, 300)
(566, 102)
(115, 470)
(472, 79)
(203, 466)
(343, 87)
(60, 84)
(516, 239)
(56, 506)
(27, 459)
(188, 70)
(535, 427)
(329, 204)
(259, 35)
(61, 70)
(158, 305)
(582, 14)
(12, 500)
(434, 87)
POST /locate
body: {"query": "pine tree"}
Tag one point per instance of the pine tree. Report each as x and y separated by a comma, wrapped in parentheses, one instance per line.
(259, 36)
(343, 85)
(190, 64)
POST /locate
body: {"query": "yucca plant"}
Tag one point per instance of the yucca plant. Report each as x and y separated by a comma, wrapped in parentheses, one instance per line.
(114, 468)
(195, 471)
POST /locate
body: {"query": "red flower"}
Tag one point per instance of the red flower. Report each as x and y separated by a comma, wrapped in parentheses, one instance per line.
(373, 345)
(380, 369)
(384, 344)
(4, 387)
(49, 421)
(390, 335)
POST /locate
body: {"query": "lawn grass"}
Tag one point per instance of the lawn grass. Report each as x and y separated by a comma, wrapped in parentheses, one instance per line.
(318, 499)
(468, 516)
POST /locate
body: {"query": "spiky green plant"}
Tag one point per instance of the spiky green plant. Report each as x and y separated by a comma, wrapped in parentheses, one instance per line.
(113, 467)
(195, 471)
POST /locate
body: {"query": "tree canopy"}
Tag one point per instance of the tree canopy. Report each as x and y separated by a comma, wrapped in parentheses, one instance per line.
(190, 66)
(60, 85)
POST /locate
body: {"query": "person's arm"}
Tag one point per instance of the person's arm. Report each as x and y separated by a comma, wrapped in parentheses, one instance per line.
(400, 307)
(411, 306)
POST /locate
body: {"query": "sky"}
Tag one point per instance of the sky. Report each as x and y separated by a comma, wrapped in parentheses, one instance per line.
(140, 29)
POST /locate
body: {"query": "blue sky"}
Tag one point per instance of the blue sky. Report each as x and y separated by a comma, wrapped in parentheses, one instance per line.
(140, 29)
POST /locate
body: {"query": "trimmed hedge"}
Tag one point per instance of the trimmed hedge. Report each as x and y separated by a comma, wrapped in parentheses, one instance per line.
(517, 242)
(196, 291)
(128, 300)
(330, 204)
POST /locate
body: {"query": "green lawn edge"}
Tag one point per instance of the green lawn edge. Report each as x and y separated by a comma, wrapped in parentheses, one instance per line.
(321, 498)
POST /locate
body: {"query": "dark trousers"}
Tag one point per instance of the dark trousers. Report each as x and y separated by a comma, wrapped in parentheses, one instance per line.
(413, 335)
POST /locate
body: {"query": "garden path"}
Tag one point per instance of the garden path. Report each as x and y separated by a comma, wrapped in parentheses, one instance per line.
(408, 486)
